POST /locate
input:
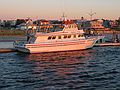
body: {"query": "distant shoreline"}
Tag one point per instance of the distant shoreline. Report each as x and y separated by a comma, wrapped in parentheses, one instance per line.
(12, 32)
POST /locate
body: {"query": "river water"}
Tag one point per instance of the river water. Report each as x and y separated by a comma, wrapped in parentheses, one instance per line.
(93, 69)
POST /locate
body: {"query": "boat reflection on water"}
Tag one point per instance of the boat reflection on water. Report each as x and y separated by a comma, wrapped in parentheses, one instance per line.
(61, 63)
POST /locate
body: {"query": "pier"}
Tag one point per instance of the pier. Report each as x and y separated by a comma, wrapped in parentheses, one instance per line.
(107, 31)
(103, 31)
(5, 50)
(106, 44)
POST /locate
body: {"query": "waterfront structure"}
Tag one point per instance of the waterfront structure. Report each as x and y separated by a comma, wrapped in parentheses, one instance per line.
(113, 24)
(22, 26)
(25, 24)
(45, 25)
(97, 24)
(83, 24)
(7, 24)
(106, 23)
(70, 38)
(90, 24)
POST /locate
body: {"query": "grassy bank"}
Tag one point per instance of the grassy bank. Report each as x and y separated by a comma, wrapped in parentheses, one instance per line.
(12, 38)
(12, 32)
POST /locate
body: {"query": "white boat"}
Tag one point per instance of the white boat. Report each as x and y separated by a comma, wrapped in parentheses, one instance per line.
(70, 38)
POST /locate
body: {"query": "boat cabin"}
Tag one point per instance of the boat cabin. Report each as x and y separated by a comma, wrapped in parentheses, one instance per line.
(69, 32)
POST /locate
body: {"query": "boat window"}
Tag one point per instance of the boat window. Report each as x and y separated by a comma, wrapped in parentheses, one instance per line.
(49, 37)
(65, 36)
(97, 42)
(69, 26)
(53, 37)
(79, 35)
(59, 37)
(74, 36)
(72, 26)
(82, 35)
(75, 26)
(69, 36)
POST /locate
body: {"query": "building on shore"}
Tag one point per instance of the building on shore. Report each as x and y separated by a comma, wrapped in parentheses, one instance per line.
(97, 24)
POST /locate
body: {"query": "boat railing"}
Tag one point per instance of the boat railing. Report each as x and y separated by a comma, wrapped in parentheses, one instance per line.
(19, 43)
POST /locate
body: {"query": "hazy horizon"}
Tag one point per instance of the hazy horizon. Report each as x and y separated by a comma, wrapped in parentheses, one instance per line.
(53, 9)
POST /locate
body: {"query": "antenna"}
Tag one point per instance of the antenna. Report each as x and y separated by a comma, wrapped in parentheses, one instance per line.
(91, 14)
(64, 17)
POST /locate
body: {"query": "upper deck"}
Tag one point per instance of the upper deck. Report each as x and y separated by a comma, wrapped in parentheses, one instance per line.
(68, 29)
(69, 32)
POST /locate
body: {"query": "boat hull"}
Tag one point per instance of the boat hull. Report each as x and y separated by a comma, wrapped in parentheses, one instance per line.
(57, 46)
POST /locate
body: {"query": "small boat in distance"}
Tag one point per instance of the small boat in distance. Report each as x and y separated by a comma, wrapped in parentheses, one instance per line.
(70, 38)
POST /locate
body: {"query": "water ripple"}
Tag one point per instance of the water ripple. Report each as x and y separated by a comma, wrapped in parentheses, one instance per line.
(93, 69)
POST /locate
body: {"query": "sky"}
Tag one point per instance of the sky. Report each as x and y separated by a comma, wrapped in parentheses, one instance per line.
(54, 9)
